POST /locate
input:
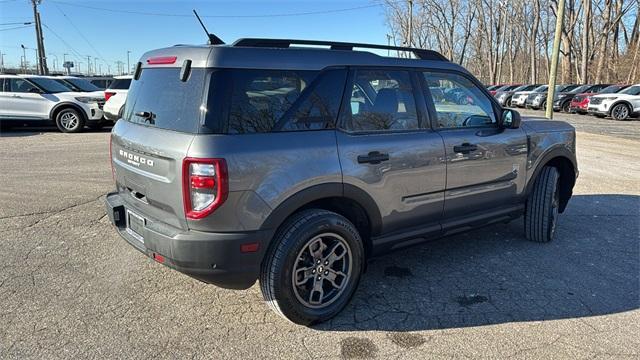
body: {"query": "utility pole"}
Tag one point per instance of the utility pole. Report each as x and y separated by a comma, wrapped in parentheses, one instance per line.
(554, 59)
(128, 65)
(388, 44)
(410, 23)
(88, 64)
(23, 63)
(95, 65)
(42, 58)
(1, 62)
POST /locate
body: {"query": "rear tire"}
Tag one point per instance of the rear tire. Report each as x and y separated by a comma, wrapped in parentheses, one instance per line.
(566, 107)
(313, 267)
(69, 120)
(541, 212)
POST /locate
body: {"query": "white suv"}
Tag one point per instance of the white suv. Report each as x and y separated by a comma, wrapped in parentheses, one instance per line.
(620, 106)
(39, 98)
(115, 97)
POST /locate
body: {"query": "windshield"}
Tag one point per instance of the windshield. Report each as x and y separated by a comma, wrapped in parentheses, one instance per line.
(611, 89)
(581, 89)
(632, 90)
(50, 85)
(82, 84)
(565, 88)
(64, 83)
(542, 88)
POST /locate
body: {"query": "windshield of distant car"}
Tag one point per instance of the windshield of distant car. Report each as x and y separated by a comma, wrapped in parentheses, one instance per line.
(632, 90)
(82, 84)
(64, 83)
(565, 88)
(580, 89)
(50, 85)
(542, 88)
(611, 89)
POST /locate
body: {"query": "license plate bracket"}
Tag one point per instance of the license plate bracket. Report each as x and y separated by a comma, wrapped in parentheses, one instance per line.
(135, 225)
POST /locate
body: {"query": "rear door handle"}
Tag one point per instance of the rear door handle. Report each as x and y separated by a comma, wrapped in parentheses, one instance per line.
(373, 157)
(465, 148)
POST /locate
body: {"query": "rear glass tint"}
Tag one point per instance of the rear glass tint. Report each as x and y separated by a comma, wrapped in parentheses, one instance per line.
(258, 101)
(120, 84)
(159, 99)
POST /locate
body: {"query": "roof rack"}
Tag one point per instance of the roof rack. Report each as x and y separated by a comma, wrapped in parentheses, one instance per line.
(422, 54)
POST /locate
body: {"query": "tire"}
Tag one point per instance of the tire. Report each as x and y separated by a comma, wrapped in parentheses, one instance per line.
(508, 102)
(543, 106)
(69, 120)
(566, 107)
(541, 212)
(620, 112)
(304, 239)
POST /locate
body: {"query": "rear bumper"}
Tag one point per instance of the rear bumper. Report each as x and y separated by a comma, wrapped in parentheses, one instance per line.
(214, 258)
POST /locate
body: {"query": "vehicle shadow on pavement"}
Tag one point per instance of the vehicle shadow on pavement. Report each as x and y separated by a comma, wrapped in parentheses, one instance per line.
(493, 275)
(24, 131)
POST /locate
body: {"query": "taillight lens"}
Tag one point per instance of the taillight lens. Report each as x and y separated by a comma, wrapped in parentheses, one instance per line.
(204, 186)
(108, 94)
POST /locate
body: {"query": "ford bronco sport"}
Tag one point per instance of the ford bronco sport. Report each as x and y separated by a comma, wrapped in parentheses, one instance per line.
(293, 165)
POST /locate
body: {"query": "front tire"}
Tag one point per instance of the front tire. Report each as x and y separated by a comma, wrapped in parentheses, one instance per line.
(313, 268)
(69, 120)
(542, 208)
(620, 112)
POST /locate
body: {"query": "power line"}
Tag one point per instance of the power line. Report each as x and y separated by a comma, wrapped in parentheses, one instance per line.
(319, 12)
(77, 54)
(17, 27)
(18, 23)
(100, 57)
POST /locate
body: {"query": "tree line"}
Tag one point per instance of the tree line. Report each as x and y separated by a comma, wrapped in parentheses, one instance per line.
(510, 41)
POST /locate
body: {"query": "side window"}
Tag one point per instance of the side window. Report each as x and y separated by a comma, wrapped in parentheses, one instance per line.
(381, 100)
(21, 86)
(317, 108)
(459, 102)
(2, 85)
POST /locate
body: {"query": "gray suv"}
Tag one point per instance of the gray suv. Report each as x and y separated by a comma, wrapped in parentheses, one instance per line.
(294, 165)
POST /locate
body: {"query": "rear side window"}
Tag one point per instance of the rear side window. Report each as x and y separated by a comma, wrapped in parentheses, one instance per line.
(259, 101)
(159, 99)
(120, 84)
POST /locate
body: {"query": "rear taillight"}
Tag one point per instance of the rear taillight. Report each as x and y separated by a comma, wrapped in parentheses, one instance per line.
(204, 186)
(107, 95)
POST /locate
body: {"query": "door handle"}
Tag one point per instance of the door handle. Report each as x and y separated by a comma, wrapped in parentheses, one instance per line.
(373, 157)
(465, 148)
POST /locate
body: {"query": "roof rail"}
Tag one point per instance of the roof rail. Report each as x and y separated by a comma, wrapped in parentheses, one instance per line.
(422, 54)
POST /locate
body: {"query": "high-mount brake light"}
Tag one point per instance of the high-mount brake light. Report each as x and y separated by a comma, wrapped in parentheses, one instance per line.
(161, 60)
(204, 186)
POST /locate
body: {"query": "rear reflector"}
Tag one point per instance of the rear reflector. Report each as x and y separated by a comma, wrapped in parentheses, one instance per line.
(250, 247)
(159, 258)
(159, 60)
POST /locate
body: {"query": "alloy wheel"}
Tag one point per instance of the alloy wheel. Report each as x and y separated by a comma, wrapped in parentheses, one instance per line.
(620, 112)
(69, 120)
(322, 270)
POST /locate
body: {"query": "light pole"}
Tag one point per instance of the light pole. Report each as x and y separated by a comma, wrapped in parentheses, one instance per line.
(1, 62)
(88, 64)
(128, 65)
(55, 62)
(24, 58)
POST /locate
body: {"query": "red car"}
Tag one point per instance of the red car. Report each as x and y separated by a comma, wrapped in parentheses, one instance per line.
(580, 102)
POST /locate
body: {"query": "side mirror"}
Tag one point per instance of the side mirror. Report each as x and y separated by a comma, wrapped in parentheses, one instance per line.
(510, 119)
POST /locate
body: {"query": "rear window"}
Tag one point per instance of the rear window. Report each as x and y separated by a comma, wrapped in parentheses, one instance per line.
(159, 99)
(120, 84)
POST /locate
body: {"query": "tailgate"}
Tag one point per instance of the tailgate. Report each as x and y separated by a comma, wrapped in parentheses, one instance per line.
(148, 170)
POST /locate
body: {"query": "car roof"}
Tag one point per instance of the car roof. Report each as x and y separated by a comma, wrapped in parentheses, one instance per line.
(288, 54)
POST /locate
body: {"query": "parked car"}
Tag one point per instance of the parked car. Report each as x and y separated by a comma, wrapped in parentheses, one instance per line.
(519, 98)
(504, 96)
(538, 100)
(101, 82)
(620, 106)
(294, 166)
(562, 101)
(42, 99)
(580, 102)
(507, 87)
(115, 97)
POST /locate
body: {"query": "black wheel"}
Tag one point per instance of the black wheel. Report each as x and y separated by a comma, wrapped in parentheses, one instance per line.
(566, 107)
(313, 267)
(620, 112)
(69, 120)
(541, 213)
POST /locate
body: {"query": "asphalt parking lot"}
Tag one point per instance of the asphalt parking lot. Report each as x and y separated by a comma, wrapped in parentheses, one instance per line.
(70, 287)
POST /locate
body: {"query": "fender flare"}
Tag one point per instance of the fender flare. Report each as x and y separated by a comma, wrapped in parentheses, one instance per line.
(554, 152)
(67, 104)
(323, 191)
